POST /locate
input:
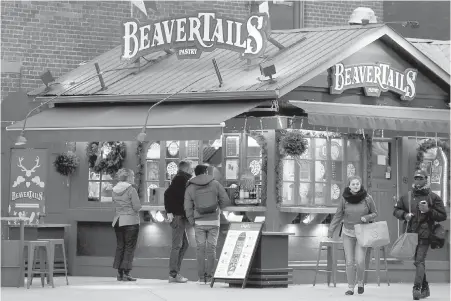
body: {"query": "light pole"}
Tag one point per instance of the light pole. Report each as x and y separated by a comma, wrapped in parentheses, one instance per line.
(142, 136)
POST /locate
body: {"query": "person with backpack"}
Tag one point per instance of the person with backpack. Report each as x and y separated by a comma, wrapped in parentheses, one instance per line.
(356, 207)
(174, 206)
(204, 197)
(426, 208)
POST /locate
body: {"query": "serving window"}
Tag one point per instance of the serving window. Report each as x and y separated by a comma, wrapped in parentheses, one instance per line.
(320, 175)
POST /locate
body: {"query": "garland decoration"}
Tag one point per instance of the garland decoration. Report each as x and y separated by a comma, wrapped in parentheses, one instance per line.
(261, 140)
(113, 160)
(369, 165)
(66, 163)
(139, 173)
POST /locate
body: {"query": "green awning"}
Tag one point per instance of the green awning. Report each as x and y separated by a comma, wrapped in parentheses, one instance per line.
(181, 121)
(375, 117)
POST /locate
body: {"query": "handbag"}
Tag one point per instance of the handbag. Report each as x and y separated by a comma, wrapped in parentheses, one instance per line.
(437, 238)
(406, 245)
(373, 234)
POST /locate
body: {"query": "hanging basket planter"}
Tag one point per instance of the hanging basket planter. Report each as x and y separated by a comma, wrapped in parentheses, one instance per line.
(66, 164)
(293, 144)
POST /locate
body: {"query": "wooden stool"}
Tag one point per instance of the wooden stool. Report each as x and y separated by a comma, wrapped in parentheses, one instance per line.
(54, 242)
(331, 246)
(40, 246)
(377, 256)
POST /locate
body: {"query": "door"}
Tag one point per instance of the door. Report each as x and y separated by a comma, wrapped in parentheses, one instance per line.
(384, 185)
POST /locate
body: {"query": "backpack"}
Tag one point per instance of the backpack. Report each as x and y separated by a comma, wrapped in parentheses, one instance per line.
(205, 199)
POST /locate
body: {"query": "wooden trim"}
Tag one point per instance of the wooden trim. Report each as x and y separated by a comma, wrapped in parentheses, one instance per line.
(298, 209)
(245, 209)
(181, 97)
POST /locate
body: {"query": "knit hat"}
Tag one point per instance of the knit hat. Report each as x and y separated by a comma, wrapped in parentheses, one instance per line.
(420, 173)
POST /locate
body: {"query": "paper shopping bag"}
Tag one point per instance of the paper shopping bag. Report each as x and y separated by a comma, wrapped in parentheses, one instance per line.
(405, 246)
(372, 235)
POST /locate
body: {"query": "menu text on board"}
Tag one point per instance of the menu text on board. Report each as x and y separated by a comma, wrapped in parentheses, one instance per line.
(204, 31)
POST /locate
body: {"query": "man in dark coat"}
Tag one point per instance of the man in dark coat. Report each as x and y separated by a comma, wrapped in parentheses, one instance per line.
(426, 208)
(174, 205)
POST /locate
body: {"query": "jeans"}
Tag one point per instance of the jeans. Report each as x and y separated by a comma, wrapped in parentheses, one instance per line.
(355, 260)
(179, 244)
(206, 240)
(420, 258)
(127, 237)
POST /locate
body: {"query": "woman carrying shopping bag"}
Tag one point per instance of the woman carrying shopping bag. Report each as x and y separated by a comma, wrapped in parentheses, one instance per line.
(356, 207)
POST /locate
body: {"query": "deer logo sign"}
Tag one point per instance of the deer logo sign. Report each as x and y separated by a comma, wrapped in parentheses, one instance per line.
(28, 173)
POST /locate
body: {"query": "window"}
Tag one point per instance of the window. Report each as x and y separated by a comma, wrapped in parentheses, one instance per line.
(318, 177)
(162, 162)
(100, 185)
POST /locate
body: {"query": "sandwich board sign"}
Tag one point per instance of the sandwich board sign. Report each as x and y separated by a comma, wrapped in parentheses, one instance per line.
(238, 252)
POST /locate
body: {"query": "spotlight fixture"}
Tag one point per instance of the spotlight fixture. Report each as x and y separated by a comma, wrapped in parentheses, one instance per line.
(21, 140)
(268, 69)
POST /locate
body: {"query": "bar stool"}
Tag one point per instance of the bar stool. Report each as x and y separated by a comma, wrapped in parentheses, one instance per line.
(53, 243)
(331, 246)
(377, 256)
(34, 246)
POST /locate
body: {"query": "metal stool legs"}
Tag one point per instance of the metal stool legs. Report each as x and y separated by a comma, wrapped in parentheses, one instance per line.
(377, 256)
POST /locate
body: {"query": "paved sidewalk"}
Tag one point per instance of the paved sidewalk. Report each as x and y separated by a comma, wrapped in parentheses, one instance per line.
(101, 288)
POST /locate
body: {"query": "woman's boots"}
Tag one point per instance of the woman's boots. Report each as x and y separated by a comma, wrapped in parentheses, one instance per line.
(127, 276)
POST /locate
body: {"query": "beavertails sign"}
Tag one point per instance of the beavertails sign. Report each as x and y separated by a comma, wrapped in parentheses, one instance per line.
(191, 35)
(374, 78)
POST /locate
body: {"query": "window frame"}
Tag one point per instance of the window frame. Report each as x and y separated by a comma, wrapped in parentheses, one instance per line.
(329, 181)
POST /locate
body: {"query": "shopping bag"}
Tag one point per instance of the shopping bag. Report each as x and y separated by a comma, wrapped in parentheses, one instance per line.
(372, 235)
(405, 246)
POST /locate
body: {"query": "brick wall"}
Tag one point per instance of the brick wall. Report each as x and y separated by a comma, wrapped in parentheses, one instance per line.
(334, 13)
(59, 35)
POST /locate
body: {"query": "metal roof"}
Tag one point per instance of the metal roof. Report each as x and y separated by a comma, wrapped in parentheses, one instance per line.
(307, 51)
(438, 51)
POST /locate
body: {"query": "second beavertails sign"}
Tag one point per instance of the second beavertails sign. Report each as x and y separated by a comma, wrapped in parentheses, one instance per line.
(191, 35)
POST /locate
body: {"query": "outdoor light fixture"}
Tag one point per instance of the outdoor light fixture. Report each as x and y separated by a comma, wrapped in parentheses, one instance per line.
(142, 136)
(267, 69)
(47, 78)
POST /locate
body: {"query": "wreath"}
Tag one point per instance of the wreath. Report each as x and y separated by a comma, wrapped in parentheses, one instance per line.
(66, 163)
(110, 163)
(429, 144)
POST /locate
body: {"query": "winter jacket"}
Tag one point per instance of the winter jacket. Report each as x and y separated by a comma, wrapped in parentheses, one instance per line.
(174, 195)
(421, 223)
(127, 204)
(351, 214)
(204, 180)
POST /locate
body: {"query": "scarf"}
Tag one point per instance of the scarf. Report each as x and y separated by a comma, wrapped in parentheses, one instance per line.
(423, 190)
(354, 198)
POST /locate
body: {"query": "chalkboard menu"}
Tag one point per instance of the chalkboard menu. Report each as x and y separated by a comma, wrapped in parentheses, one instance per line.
(238, 252)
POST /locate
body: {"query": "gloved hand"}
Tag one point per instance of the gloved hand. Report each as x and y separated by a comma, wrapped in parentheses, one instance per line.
(408, 216)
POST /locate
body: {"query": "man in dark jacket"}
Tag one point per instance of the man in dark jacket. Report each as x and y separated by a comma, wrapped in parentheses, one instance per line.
(204, 197)
(426, 208)
(173, 203)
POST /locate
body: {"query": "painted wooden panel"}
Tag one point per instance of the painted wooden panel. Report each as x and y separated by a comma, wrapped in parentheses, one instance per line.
(380, 52)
